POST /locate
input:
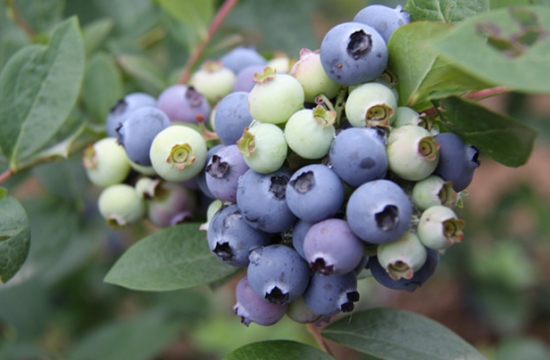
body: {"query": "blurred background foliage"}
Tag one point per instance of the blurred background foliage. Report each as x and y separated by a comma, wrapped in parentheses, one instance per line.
(493, 289)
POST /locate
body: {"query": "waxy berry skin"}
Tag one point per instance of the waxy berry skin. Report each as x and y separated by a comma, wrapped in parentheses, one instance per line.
(251, 308)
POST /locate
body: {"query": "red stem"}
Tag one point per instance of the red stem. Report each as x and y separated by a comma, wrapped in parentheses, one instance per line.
(5, 175)
(314, 330)
(474, 95)
(19, 20)
(220, 16)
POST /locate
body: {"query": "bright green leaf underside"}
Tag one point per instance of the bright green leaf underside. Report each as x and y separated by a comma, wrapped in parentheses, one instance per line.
(177, 257)
(276, 350)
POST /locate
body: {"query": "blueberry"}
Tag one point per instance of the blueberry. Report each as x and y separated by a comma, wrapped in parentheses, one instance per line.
(106, 162)
(223, 171)
(402, 257)
(184, 103)
(327, 295)
(277, 273)
(241, 57)
(353, 53)
(264, 147)
(231, 239)
(125, 106)
(201, 177)
(309, 71)
(379, 211)
(232, 117)
(262, 200)
(314, 193)
(171, 205)
(139, 129)
(213, 80)
(371, 104)
(251, 308)
(458, 160)
(439, 227)
(299, 231)
(121, 205)
(245, 78)
(383, 19)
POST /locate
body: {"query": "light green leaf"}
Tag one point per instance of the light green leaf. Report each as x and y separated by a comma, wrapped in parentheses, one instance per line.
(38, 88)
(96, 32)
(139, 338)
(522, 348)
(497, 136)
(422, 74)
(396, 334)
(450, 11)
(3, 193)
(148, 73)
(276, 350)
(14, 237)
(194, 15)
(506, 47)
(103, 86)
(177, 257)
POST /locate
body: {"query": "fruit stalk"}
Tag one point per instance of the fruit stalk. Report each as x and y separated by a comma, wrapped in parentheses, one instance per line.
(314, 330)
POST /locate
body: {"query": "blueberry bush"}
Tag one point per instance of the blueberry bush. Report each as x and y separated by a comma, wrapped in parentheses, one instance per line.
(278, 179)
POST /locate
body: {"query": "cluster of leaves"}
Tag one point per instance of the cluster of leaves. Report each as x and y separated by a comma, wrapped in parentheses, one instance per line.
(58, 83)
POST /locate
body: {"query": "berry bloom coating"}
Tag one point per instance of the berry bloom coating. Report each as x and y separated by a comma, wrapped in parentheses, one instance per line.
(310, 73)
(178, 153)
(171, 204)
(327, 295)
(440, 228)
(370, 104)
(121, 205)
(275, 97)
(241, 57)
(383, 19)
(106, 162)
(123, 107)
(420, 276)
(403, 257)
(231, 239)
(314, 193)
(223, 171)
(432, 191)
(277, 273)
(309, 133)
(413, 153)
(379, 211)
(138, 131)
(213, 80)
(264, 147)
(252, 308)
(262, 201)
(358, 155)
(201, 178)
(183, 103)
(332, 248)
(232, 117)
(458, 160)
(299, 231)
(353, 53)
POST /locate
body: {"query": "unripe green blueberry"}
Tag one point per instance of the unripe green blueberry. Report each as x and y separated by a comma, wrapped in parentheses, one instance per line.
(212, 209)
(264, 147)
(309, 133)
(402, 257)
(106, 162)
(280, 62)
(412, 152)
(299, 312)
(142, 169)
(432, 191)
(311, 74)
(178, 153)
(121, 205)
(439, 228)
(405, 115)
(213, 80)
(370, 104)
(275, 97)
(146, 187)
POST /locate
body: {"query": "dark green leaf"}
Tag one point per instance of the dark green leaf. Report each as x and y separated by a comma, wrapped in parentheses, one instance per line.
(147, 72)
(398, 334)
(174, 258)
(139, 338)
(420, 72)
(39, 14)
(506, 47)
(14, 237)
(501, 138)
(522, 348)
(102, 86)
(450, 11)
(38, 88)
(193, 15)
(276, 350)
(95, 33)
(129, 15)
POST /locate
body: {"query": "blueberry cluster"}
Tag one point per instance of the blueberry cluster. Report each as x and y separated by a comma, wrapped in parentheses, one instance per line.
(316, 175)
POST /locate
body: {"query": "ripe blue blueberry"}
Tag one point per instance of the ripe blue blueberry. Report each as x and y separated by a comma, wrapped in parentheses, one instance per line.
(123, 107)
(252, 308)
(184, 103)
(383, 18)
(232, 117)
(241, 57)
(327, 295)
(223, 171)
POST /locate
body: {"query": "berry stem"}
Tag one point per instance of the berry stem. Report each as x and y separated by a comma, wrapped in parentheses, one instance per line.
(474, 95)
(220, 16)
(314, 330)
(5, 175)
(16, 16)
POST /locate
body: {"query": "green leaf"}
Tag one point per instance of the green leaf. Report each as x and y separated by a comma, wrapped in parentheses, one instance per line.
(14, 237)
(450, 11)
(506, 47)
(421, 73)
(522, 348)
(3, 193)
(41, 15)
(177, 257)
(139, 338)
(501, 138)
(147, 72)
(398, 334)
(278, 349)
(95, 33)
(103, 86)
(38, 88)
